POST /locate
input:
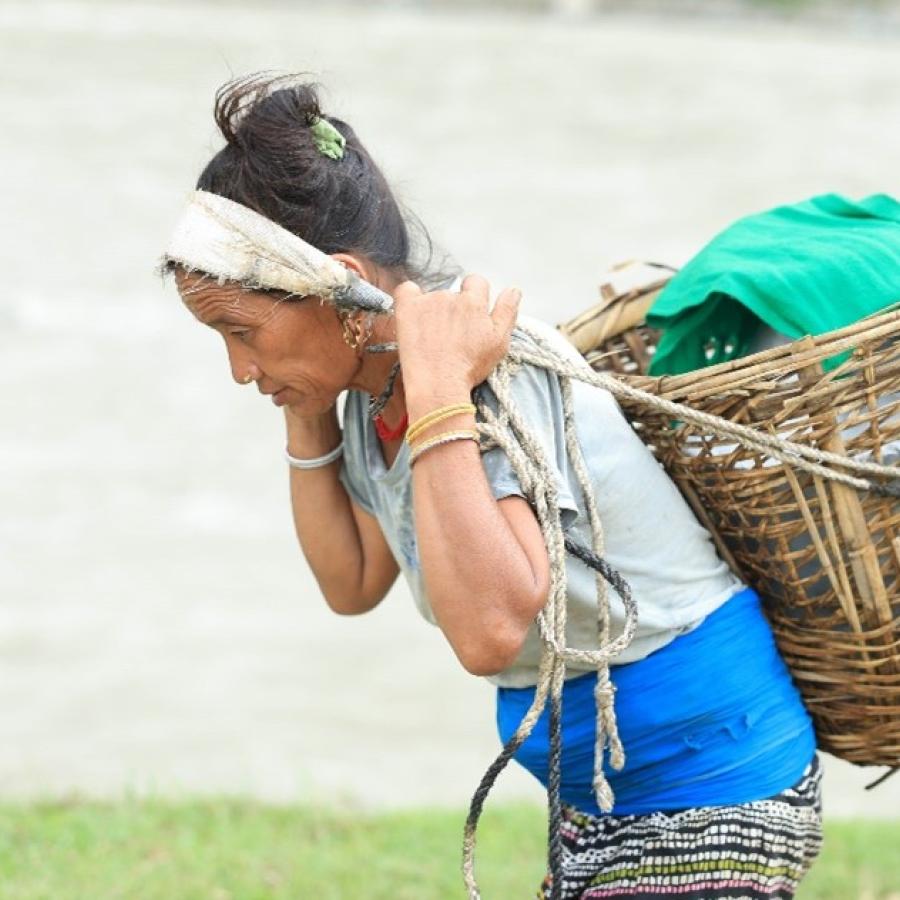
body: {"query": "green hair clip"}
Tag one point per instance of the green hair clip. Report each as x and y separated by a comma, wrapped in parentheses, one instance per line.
(328, 140)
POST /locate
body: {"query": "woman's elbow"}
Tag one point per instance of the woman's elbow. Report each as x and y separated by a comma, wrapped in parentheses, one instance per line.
(345, 605)
(491, 653)
(496, 647)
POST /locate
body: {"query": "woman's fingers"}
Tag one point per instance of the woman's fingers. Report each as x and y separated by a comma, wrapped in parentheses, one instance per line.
(406, 290)
(506, 310)
(478, 287)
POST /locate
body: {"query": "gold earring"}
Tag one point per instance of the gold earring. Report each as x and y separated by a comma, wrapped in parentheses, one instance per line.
(352, 333)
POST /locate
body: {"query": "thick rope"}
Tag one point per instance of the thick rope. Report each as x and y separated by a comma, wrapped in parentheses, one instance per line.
(800, 456)
(604, 691)
(554, 782)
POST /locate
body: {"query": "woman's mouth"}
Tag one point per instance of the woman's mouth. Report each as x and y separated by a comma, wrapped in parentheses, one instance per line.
(279, 398)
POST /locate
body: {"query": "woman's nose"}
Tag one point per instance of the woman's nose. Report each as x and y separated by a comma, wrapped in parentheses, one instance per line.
(245, 374)
(243, 369)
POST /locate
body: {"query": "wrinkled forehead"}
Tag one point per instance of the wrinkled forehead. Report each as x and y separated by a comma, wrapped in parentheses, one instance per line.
(206, 295)
(210, 299)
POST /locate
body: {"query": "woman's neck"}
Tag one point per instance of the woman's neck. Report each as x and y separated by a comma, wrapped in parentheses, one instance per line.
(376, 368)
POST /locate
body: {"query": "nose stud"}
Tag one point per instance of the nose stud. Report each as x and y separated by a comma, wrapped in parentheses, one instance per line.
(247, 379)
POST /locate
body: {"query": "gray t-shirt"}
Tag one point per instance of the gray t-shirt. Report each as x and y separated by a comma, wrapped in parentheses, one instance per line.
(652, 537)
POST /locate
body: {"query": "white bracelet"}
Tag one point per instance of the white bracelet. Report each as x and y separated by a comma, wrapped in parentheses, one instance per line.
(316, 463)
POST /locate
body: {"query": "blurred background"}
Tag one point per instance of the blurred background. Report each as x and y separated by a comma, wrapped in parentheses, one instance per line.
(159, 630)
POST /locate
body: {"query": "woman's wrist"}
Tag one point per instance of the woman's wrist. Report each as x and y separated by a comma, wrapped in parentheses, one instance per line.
(312, 436)
(425, 397)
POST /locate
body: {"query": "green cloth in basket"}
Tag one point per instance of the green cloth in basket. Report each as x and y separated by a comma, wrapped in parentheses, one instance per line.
(805, 268)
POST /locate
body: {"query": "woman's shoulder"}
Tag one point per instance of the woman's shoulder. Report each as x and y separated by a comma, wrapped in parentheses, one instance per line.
(538, 386)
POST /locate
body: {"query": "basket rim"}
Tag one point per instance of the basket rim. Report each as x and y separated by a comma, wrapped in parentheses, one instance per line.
(804, 351)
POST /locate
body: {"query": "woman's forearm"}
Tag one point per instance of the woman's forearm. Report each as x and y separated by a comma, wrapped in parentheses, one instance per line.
(482, 585)
(326, 527)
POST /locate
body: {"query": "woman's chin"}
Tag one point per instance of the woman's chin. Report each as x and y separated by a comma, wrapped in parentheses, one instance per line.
(301, 405)
(280, 398)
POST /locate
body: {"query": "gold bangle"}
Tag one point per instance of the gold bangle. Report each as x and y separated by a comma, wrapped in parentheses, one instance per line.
(444, 438)
(435, 416)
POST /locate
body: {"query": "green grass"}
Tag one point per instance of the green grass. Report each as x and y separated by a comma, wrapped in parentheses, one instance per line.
(236, 850)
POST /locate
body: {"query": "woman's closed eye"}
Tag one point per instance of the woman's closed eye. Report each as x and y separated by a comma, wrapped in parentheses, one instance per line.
(242, 334)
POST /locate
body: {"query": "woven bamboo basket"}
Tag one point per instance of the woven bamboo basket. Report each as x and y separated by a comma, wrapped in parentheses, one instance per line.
(824, 557)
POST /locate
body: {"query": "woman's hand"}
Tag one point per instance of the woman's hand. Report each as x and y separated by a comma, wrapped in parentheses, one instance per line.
(309, 436)
(450, 342)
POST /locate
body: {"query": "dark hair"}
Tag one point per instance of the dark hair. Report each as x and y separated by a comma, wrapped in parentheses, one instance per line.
(270, 164)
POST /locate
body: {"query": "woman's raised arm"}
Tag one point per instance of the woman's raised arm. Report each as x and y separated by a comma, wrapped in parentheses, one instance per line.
(484, 562)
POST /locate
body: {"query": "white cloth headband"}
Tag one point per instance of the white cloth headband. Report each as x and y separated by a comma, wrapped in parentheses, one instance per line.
(234, 243)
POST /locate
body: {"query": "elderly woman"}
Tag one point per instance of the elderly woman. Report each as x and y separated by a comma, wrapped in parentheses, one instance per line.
(719, 792)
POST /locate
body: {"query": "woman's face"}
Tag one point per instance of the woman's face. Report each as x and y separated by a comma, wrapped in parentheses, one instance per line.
(292, 349)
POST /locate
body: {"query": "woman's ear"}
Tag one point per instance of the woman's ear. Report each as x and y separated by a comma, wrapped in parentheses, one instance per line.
(369, 271)
(348, 261)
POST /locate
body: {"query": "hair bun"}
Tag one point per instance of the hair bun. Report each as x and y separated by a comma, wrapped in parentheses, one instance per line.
(270, 97)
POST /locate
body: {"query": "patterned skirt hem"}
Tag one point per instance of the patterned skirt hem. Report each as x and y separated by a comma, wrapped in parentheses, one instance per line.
(751, 850)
